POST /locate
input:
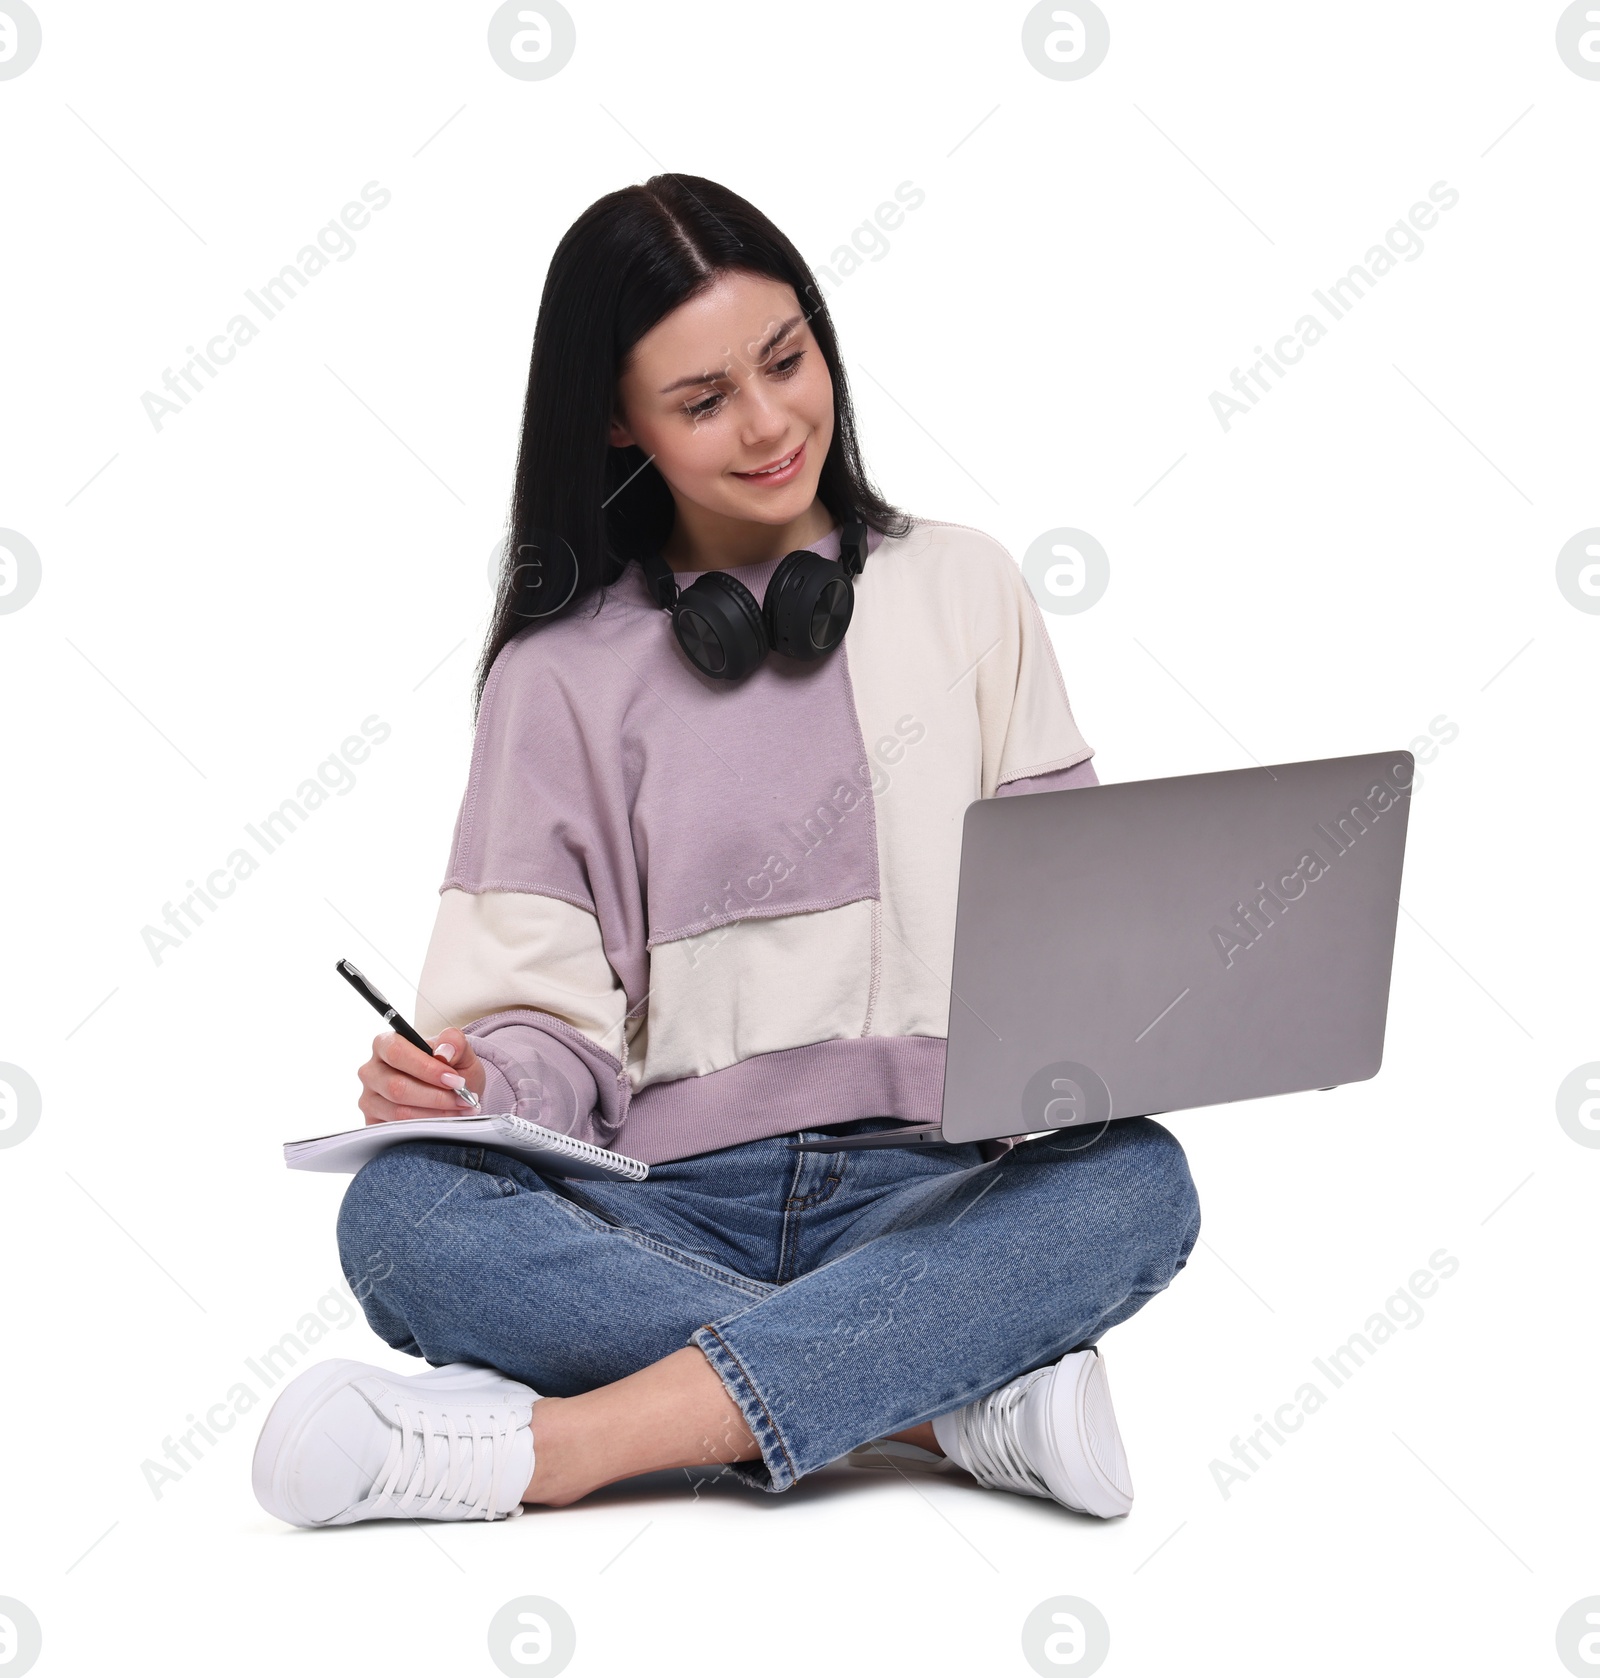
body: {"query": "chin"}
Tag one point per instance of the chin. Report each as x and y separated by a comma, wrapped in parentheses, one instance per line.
(766, 508)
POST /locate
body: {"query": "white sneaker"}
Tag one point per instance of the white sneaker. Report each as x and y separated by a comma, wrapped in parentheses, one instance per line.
(1049, 1433)
(348, 1441)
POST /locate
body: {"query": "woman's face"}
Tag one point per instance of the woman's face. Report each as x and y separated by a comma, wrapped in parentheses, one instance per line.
(728, 383)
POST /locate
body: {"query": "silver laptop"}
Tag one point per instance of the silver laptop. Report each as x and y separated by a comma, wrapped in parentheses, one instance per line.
(1155, 945)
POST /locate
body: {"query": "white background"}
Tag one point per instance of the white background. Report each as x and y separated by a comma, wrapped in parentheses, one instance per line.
(306, 545)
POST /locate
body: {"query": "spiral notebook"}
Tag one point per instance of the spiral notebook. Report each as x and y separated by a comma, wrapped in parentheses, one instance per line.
(546, 1150)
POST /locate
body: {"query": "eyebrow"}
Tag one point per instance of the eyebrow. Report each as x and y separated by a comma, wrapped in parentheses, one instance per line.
(710, 378)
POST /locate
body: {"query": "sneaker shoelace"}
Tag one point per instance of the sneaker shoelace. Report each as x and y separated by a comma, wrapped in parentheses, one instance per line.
(991, 1444)
(437, 1481)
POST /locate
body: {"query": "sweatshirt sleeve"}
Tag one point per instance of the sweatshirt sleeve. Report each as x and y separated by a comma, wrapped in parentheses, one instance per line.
(1032, 742)
(525, 978)
(539, 914)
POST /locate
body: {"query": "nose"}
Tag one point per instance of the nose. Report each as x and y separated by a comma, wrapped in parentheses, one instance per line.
(765, 414)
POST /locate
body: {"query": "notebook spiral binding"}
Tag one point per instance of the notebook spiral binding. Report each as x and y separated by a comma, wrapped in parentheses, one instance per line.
(633, 1169)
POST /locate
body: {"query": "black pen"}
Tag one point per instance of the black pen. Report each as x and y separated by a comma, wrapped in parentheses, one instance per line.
(392, 1016)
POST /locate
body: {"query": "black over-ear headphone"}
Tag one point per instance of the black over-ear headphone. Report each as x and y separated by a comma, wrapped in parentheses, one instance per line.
(804, 612)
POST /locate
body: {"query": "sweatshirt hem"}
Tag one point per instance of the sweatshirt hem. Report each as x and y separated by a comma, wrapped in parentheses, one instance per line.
(782, 1091)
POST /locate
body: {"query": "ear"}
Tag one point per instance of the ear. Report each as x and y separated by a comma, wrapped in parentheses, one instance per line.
(619, 435)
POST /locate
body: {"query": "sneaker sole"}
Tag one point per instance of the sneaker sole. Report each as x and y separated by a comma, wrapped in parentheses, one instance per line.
(1087, 1485)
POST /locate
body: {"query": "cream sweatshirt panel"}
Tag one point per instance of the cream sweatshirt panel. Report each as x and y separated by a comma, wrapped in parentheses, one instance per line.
(752, 987)
(511, 949)
(957, 690)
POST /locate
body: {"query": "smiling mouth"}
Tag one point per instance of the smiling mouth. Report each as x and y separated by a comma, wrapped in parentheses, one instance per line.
(776, 467)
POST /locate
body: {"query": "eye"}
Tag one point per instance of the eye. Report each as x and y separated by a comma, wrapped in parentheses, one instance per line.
(708, 405)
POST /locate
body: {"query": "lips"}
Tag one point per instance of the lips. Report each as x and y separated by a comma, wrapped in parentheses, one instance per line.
(776, 468)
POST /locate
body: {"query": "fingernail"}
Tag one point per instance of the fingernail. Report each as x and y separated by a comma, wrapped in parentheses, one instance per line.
(446, 1051)
(453, 1081)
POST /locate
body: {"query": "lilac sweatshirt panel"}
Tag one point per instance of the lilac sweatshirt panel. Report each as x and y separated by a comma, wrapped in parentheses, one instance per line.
(609, 772)
(749, 780)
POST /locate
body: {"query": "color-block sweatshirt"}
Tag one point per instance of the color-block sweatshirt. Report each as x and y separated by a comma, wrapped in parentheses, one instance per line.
(679, 915)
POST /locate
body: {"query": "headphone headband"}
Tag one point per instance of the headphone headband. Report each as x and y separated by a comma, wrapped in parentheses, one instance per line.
(853, 544)
(658, 575)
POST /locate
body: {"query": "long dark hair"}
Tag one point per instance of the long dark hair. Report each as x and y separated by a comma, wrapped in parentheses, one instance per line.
(627, 262)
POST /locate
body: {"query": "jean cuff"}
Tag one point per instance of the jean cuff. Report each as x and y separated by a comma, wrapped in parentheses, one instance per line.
(776, 1471)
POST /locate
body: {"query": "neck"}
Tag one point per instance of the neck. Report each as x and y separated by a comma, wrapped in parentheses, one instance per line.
(705, 541)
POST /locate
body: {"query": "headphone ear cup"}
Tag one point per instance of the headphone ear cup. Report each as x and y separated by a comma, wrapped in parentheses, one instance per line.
(719, 626)
(809, 604)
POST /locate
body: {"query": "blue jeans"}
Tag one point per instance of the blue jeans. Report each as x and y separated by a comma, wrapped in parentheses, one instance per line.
(839, 1295)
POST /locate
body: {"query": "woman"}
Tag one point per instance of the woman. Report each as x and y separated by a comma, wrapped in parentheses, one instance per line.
(700, 904)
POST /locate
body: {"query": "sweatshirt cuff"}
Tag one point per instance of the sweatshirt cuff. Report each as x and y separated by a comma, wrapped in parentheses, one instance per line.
(1079, 774)
(535, 1077)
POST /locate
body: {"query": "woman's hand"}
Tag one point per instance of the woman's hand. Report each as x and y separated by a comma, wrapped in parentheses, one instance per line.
(401, 1082)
